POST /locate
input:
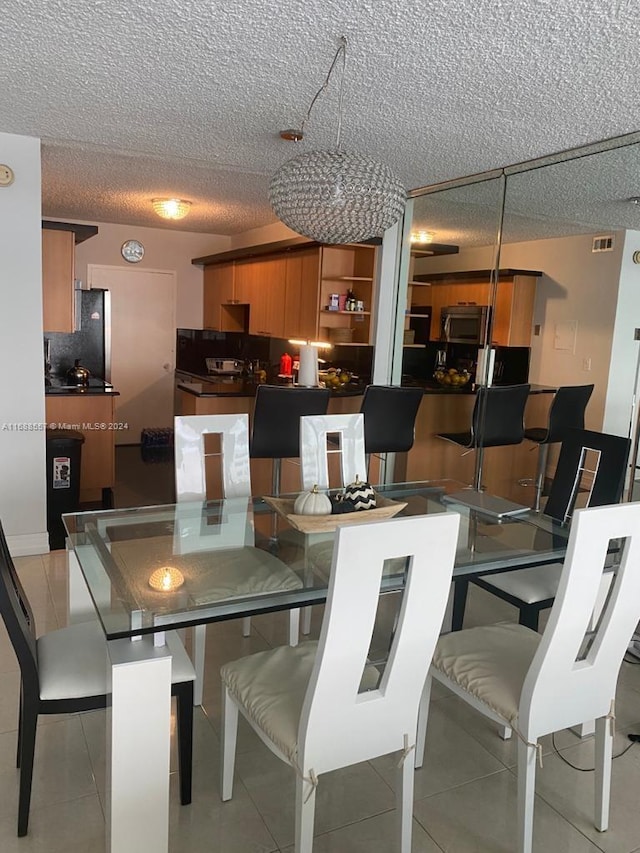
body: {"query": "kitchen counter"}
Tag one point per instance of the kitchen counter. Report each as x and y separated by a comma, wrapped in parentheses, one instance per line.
(232, 387)
(58, 388)
(430, 386)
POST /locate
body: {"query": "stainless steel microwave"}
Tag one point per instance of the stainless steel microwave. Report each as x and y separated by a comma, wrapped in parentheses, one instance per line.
(464, 324)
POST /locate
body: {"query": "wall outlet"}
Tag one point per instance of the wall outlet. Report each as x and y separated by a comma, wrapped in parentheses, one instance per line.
(6, 175)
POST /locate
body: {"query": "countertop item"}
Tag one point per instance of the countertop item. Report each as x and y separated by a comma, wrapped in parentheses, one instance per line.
(246, 387)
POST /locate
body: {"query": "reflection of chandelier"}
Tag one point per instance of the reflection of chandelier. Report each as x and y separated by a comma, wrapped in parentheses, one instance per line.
(334, 196)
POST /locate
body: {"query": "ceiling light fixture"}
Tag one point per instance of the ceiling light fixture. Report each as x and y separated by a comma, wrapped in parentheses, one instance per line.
(171, 208)
(422, 236)
(334, 196)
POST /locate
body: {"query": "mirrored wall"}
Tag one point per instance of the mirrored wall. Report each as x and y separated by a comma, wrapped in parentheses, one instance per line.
(538, 261)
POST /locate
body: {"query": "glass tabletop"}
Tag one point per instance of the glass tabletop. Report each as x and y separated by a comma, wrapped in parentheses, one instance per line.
(150, 568)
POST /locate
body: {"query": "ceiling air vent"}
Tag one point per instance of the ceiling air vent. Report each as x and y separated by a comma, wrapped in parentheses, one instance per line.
(602, 244)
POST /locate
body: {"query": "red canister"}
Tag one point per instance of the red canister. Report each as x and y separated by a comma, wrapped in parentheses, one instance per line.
(285, 364)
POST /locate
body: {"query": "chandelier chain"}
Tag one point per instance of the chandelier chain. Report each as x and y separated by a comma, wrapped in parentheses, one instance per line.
(342, 50)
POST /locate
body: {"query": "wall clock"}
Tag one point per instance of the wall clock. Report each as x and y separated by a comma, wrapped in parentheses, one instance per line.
(132, 251)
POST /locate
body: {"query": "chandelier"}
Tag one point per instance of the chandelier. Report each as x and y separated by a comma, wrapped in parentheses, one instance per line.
(171, 208)
(335, 196)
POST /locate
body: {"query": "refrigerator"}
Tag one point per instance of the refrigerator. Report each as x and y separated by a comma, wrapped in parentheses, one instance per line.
(90, 343)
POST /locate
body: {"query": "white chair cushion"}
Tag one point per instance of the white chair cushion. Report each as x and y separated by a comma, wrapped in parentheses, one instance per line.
(72, 662)
(320, 558)
(270, 687)
(490, 663)
(529, 585)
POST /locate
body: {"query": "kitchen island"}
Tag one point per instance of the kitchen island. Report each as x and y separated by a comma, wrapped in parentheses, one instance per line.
(431, 458)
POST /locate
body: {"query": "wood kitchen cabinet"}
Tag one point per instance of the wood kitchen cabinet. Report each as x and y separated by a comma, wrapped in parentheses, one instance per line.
(515, 297)
(302, 279)
(223, 310)
(262, 283)
(81, 412)
(344, 268)
(58, 251)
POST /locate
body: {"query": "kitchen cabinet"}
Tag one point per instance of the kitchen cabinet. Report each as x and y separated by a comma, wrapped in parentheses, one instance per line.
(223, 310)
(515, 296)
(58, 250)
(346, 268)
(81, 412)
(261, 283)
(302, 280)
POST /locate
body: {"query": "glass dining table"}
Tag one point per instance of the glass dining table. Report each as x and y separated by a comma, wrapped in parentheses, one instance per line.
(147, 570)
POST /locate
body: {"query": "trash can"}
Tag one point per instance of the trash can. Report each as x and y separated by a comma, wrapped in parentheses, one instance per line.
(64, 452)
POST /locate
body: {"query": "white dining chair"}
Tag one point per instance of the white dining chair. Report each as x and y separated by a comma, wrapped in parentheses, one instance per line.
(538, 684)
(191, 485)
(315, 451)
(321, 706)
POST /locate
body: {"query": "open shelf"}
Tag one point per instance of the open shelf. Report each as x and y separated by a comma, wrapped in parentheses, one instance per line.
(346, 278)
(348, 313)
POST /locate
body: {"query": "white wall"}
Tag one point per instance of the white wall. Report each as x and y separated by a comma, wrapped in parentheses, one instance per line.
(164, 250)
(22, 486)
(267, 234)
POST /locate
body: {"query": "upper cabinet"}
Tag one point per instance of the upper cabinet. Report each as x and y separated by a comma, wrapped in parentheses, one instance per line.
(58, 273)
(58, 250)
(286, 294)
(513, 315)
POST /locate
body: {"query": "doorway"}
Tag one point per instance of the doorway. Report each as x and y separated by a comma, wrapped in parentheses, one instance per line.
(143, 336)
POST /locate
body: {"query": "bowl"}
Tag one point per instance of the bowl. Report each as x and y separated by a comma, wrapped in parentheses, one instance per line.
(452, 378)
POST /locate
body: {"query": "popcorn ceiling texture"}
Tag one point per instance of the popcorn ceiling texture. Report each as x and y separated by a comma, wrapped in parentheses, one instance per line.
(136, 100)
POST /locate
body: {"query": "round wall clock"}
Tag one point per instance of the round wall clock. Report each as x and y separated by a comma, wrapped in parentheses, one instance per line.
(132, 251)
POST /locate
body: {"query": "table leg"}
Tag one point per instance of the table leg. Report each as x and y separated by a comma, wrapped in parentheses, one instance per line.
(81, 607)
(138, 744)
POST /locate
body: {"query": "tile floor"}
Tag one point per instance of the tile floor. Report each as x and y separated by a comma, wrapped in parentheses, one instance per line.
(465, 796)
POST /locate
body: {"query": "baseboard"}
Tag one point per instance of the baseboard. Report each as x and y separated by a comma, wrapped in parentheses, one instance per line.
(26, 544)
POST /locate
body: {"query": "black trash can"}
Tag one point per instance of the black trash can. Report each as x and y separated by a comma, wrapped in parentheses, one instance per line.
(64, 455)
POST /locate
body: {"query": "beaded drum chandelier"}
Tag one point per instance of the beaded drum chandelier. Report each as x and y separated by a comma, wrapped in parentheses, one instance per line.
(335, 196)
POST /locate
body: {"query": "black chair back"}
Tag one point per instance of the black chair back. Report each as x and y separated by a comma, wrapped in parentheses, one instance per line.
(389, 417)
(17, 616)
(607, 481)
(567, 410)
(276, 419)
(498, 415)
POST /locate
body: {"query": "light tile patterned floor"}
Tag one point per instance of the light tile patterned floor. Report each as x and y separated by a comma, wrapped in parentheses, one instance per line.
(465, 794)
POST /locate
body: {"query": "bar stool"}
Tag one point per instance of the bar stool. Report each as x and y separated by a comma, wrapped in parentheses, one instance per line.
(276, 423)
(566, 412)
(497, 420)
(390, 413)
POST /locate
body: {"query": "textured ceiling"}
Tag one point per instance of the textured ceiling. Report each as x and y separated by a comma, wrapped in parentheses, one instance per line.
(135, 100)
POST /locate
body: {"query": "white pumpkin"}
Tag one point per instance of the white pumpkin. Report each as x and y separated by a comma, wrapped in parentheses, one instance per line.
(312, 503)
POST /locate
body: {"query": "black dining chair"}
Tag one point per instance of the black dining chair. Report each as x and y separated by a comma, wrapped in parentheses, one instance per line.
(276, 423)
(390, 413)
(533, 590)
(65, 672)
(566, 412)
(497, 420)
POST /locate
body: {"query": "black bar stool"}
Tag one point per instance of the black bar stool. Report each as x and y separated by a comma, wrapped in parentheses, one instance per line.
(497, 420)
(276, 423)
(566, 412)
(389, 418)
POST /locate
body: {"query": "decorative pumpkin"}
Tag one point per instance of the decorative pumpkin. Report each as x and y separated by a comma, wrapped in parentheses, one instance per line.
(339, 505)
(360, 495)
(312, 503)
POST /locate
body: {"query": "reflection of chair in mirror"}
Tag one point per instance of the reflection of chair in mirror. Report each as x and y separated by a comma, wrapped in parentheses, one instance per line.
(65, 672)
(497, 420)
(538, 684)
(346, 434)
(321, 706)
(389, 419)
(190, 460)
(589, 460)
(276, 423)
(566, 412)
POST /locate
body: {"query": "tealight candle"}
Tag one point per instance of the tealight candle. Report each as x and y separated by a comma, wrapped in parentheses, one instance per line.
(166, 579)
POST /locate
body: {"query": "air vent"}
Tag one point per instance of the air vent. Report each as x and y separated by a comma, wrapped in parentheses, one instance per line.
(602, 244)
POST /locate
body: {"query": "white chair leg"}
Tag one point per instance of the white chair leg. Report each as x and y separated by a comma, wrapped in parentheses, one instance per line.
(604, 748)
(294, 627)
(505, 732)
(246, 626)
(404, 804)
(305, 814)
(527, 758)
(306, 621)
(199, 643)
(228, 744)
(423, 717)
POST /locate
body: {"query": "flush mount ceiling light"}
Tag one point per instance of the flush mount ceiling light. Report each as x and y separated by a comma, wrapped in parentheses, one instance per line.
(171, 208)
(334, 196)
